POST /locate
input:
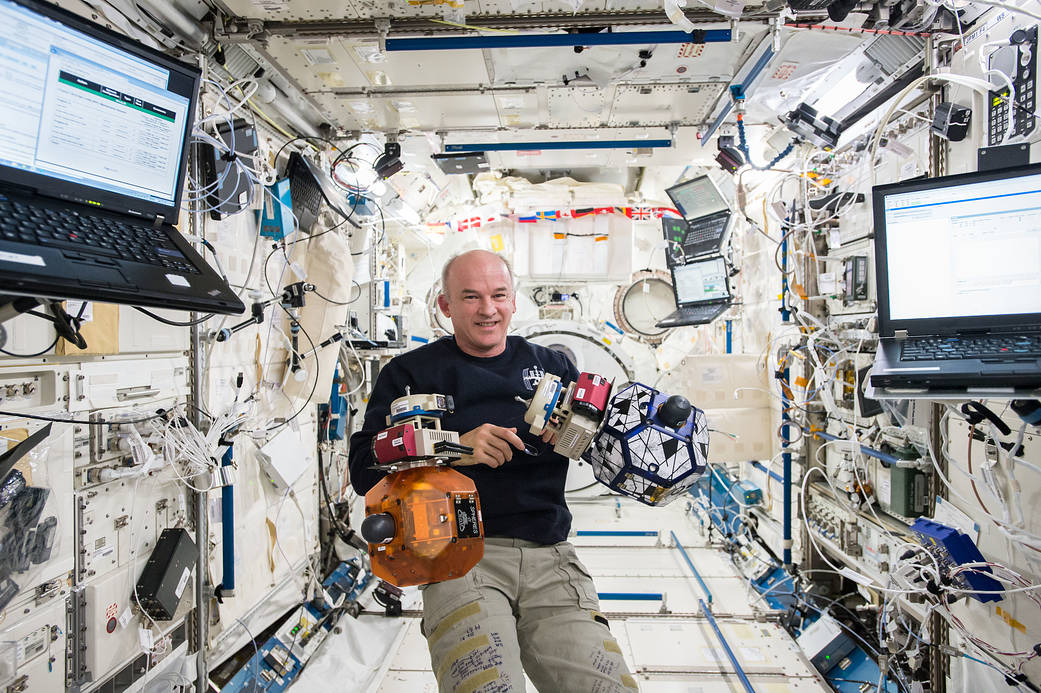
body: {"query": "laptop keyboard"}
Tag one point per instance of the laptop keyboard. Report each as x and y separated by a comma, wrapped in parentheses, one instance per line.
(702, 231)
(692, 313)
(992, 346)
(306, 194)
(304, 190)
(67, 229)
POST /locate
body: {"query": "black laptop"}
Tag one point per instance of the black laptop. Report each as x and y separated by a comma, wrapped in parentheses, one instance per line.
(958, 273)
(309, 186)
(94, 131)
(461, 162)
(705, 224)
(702, 291)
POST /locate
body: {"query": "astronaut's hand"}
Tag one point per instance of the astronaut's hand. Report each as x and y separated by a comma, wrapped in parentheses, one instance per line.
(493, 445)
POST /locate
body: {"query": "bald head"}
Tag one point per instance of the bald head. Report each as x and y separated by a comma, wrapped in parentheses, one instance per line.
(468, 258)
(477, 294)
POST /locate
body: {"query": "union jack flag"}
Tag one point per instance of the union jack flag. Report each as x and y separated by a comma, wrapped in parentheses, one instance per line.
(640, 213)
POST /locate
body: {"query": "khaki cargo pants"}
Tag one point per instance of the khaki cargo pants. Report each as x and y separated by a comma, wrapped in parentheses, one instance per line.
(524, 608)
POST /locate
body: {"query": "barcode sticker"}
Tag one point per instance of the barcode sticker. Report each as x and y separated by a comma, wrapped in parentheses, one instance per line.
(183, 582)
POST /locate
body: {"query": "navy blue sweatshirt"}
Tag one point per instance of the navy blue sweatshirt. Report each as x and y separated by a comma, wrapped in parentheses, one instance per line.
(524, 498)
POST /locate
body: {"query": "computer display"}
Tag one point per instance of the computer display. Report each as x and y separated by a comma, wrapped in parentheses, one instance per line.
(697, 197)
(705, 280)
(79, 110)
(964, 249)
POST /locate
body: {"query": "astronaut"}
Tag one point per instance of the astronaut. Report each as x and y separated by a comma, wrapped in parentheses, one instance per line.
(529, 606)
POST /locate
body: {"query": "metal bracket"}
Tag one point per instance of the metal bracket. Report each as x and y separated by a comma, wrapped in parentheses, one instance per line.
(239, 30)
(383, 27)
(76, 674)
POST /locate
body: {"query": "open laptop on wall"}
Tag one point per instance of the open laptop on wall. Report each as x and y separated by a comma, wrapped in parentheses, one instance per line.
(958, 271)
(702, 292)
(706, 220)
(94, 130)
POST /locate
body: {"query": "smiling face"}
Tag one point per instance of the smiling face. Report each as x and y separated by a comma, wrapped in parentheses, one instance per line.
(478, 297)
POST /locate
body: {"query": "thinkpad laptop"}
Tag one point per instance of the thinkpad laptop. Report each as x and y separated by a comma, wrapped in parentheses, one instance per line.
(705, 224)
(94, 129)
(461, 162)
(309, 186)
(702, 292)
(958, 274)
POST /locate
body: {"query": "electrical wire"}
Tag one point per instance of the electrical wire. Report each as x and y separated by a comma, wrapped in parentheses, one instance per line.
(87, 422)
(29, 356)
(340, 303)
(174, 323)
(314, 386)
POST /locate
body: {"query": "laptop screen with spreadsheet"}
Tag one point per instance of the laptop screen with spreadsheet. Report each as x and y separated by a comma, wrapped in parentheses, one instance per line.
(959, 252)
(700, 282)
(85, 109)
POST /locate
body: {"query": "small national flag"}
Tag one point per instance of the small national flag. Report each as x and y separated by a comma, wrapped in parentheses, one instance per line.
(640, 213)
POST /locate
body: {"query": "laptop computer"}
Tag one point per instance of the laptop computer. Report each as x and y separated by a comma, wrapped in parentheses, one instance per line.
(461, 162)
(705, 224)
(94, 131)
(958, 276)
(309, 186)
(702, 291)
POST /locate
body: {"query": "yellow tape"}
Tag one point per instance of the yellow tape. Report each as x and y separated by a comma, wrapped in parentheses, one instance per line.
(612, 646)
(453, 618)
(465, 647)
(629, 682)
(1007, 618)
(477, 680)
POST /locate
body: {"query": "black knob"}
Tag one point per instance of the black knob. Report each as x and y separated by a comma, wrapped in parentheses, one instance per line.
(674, 411)
(378, 528)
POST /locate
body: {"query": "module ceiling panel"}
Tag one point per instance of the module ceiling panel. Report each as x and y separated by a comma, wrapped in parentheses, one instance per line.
(682, 104)
(309, 10)
(604, 86)
(685, 149)
(430, 113)
(603, 65)
(359, 65)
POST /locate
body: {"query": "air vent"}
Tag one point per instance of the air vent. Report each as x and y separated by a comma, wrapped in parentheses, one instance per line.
(890, 53)
(238, 63)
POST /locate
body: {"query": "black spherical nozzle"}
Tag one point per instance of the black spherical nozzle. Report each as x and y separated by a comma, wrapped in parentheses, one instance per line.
(378, 528)
(674, 411)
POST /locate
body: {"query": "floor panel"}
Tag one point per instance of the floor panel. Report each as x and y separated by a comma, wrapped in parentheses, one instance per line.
(673, 652)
